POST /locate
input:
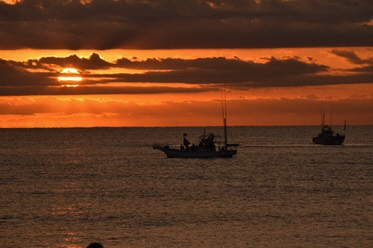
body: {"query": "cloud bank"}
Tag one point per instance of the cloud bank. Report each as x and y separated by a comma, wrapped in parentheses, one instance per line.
(164, 24)
(39, 76)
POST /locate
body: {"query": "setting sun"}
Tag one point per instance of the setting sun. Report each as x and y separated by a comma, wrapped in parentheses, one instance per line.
(70, 75)
(101, 100)
(277, 69)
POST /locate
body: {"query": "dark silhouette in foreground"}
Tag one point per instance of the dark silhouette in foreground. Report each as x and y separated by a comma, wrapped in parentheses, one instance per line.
(95, 245)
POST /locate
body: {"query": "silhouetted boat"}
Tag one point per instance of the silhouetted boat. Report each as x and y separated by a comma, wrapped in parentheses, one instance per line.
(207, 147)
(327, 137)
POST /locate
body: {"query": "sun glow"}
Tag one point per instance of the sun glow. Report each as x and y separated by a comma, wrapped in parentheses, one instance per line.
(70, 75)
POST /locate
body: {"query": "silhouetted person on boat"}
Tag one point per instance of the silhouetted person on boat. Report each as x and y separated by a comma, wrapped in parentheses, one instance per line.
(95, 245)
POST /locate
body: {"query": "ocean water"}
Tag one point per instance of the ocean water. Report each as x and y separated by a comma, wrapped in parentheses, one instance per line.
(71, 187)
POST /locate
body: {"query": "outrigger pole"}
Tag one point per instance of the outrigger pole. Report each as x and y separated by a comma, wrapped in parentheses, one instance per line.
(344, 128)
(322, 121)
(224, 112)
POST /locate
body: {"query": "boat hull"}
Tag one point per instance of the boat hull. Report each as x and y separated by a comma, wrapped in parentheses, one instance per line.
(175, 153)
(331, 140)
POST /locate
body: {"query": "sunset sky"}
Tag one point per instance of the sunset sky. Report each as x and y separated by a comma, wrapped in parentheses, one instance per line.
(83, 63)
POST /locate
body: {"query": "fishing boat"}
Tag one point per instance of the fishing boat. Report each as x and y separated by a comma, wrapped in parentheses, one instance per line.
(327, 136)
(207, 147)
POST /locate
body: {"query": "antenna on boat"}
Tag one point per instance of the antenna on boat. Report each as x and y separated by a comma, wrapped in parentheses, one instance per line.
(322, 115)
(331, 114)
(322, 121)
(344, 127)
(224, 112)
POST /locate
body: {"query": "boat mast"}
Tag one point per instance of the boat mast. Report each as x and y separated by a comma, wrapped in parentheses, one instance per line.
(224, 112)
(344, 128)
(331, 114)
(322, 121)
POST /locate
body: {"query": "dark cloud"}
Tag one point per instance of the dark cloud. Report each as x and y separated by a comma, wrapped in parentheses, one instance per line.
(365, 69)
(93, 62)
(155, 24)
(365, 65)
(290, 65)
(16, 78)
(352, 57)
(221, 70)
(100, 90)
(13, 76)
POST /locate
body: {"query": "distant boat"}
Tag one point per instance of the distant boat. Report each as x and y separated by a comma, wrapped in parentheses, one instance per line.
(327, 137)
(207, 147)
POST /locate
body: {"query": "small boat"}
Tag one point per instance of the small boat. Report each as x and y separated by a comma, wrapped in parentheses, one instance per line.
(327, 137)
(207, 147)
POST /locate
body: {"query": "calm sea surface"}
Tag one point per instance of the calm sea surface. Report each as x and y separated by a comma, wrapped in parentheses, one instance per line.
(71, 187)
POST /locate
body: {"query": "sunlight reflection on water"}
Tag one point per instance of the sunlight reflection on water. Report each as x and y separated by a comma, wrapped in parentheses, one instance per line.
(70, 187)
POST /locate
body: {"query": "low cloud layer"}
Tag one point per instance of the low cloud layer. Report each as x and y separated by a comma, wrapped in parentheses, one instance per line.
(39, 76)
(163, 24)
(65, 112)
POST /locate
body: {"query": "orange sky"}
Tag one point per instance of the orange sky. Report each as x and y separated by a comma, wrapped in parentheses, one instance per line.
(287, 105)
(163, 63)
